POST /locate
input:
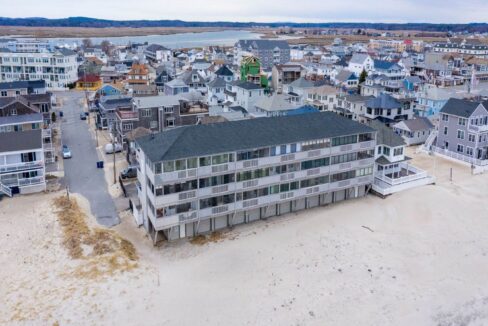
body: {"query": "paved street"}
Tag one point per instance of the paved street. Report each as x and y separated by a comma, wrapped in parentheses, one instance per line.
(81, 173)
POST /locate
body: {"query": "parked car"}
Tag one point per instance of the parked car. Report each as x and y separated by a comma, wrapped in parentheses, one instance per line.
(66, 152)
(129, 173)
(82, 116)
(109, 148)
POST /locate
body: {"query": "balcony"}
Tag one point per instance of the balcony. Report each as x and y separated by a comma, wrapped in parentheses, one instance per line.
(478, 129)
(21, 166)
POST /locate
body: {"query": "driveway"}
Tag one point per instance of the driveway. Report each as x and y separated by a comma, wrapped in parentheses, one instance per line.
(81, 173)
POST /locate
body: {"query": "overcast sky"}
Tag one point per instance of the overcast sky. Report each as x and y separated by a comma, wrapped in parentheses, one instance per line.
(401, 11)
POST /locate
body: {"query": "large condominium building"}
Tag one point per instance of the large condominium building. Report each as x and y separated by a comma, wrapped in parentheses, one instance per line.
(57, 68)
(22, 161)
(269, 52)
(202, 178)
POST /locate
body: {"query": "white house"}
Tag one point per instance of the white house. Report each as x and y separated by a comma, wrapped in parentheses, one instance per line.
(360, 62)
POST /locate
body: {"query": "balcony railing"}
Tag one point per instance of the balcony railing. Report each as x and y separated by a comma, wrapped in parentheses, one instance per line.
(21, 166)
(459, 157)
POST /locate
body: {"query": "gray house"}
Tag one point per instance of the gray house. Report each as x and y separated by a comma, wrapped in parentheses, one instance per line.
(463, 132)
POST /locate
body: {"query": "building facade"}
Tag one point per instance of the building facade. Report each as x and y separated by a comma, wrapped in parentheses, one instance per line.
(57, 68)
(198, 179)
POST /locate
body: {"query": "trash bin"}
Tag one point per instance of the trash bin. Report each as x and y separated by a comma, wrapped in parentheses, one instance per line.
(100, 164)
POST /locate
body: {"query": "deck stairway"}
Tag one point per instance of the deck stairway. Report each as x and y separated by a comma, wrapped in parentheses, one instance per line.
(5, 190)
(427, 146)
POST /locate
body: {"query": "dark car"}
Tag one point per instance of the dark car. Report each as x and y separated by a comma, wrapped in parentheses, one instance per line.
(82, 116)
(129, 173)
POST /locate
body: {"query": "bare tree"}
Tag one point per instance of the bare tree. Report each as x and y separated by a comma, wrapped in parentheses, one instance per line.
(87, 43)
(106, 47)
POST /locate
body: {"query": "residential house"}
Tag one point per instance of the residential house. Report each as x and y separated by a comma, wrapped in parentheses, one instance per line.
(360, 62)
(156, 53)
(414, 131)
(23, 87)
(392, 170)
(138, 74)
(247, 94)
(463, 132)
(388, 109)
(107, 106)
(22, 161)
(89, 83)
(285, 74)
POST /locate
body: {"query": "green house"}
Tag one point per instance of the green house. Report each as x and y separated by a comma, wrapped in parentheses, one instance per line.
(251, 71)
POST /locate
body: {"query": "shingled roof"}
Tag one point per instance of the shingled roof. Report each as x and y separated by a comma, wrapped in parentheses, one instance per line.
(460, 107)
(199, 140)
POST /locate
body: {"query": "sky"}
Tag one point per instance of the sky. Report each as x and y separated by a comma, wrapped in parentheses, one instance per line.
(389, 11)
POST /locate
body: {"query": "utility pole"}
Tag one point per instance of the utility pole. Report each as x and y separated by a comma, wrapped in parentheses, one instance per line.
(113, 148)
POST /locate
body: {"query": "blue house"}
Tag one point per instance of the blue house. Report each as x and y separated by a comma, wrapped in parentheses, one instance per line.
(108, 90)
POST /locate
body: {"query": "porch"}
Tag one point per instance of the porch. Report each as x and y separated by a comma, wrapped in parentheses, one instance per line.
(398, 177)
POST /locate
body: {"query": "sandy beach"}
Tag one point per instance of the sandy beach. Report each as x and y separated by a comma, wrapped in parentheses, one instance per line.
(415, 258)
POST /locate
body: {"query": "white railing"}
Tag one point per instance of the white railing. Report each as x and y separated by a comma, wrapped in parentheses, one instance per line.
(475, 128)
(459, 157)
(430, 140)
(21, 166)
(417, 174)
(6, 190)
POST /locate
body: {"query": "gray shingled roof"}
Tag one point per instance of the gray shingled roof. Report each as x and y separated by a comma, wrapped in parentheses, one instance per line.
(460, 108)
(386, 136)
(217, 82)
(224, 71)
(383, 101)
(419, 123)
(264, 44)
(19, 141)
(199, 140)
(22, 118)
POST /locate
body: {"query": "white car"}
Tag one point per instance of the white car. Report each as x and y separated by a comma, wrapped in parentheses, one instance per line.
(109, 149)
(66, 152)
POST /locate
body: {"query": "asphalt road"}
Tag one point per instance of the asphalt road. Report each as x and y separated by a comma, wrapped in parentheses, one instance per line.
(81, 173)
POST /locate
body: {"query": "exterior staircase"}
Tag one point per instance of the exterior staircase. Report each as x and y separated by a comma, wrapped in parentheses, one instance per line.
(5, 190)
(427, 146)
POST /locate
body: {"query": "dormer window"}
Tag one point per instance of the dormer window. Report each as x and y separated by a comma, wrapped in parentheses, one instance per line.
(13, 111)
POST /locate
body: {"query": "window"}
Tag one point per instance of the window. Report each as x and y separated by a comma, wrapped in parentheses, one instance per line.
(445, 130)
(157, 168)
(471, 138)
(386, 150)
(180, 165)
(145, 113)
(398, 151)
(205, 161)
(169, 166)
(469, 151)
(293, 148)
(460, 148)
(282, 149)
(191, 163)
(345, 140)
(460, 134)
(445, 117)
(462, 121)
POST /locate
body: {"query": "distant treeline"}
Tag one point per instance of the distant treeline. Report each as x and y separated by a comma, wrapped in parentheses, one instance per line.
(100, 23)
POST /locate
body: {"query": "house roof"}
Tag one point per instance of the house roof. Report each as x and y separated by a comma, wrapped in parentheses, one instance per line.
(263, 44)
(247, 85)
(384, 65)
(156, 47)
(29, 84)
(383, 101)
(386, 136)
(19, 141)
(224, 71)
(345, 75)
(157, 101)
(302, 83)
(419, 123)
(21, 118)
(217, 82)
(199, 140)
(276, 102)
(460, 107)
(358, 58)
